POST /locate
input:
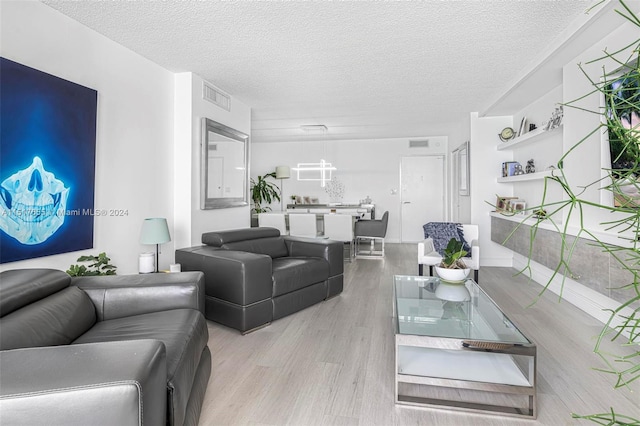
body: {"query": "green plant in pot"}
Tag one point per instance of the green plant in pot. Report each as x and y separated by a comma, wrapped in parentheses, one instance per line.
(452, 268)
(264, 192)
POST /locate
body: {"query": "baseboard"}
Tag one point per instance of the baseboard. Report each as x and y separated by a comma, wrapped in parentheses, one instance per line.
(590, 301)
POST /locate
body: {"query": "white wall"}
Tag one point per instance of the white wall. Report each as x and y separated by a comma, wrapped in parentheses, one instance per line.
(134, 166)
(485, 168)
(369, 167)
(190, 108)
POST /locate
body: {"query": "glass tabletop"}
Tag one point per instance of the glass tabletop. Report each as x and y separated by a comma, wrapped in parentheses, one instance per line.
(426, 306)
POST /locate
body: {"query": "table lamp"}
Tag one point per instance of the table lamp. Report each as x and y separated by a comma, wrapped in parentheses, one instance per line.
(155, 231)
(282, 172)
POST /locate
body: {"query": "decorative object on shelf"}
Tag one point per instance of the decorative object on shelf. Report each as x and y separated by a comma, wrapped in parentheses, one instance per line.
(264, 191)
(517, 170)
(556, 119)
(518, 206)
(294, 198)
(502, 203)
(532, 127)
(509, 168)
(507, 134)
(531, 168)
(335, 189)
(540, 214)
(146, 263)
(101, 265)
(282, 172)
(155, 231)
(523, 126)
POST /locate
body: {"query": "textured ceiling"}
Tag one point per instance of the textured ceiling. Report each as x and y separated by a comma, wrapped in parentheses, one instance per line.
(365, 69)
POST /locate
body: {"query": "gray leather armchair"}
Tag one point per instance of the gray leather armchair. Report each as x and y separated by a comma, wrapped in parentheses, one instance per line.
(371, 231)
(254, 275)
(125, 350)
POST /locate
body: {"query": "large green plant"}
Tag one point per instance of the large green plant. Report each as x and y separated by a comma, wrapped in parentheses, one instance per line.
(264, 192)
(623, 326)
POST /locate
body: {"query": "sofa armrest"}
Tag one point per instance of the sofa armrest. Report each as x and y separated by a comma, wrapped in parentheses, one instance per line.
(117, 296)
(123, 383)
(238, 277)
(331, 251)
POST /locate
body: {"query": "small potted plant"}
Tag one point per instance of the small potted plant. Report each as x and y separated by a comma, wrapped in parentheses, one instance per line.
(452, 268)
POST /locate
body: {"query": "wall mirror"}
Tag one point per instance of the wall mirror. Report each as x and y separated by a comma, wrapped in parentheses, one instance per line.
(224, 167)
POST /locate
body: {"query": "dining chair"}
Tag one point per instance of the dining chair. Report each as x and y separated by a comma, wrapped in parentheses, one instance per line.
(303, 225)
(273, 220)
(339, 227)
(371, 231)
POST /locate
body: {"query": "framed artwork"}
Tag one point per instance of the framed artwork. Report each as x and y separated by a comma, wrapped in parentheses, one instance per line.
(463, 169)
(47, 167)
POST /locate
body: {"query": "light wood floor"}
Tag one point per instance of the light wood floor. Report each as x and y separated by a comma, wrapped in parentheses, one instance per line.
(332, 363)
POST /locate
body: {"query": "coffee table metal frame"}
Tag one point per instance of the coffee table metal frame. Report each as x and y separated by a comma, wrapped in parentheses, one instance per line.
(477, 354)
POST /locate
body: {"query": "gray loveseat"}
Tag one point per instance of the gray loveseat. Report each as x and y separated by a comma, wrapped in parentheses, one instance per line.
(116, 350)
(254, 275)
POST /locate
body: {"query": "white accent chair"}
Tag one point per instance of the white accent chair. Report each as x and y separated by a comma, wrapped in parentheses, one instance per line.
(273, 220)
(339, 227)
(427, 255)
(303, 225)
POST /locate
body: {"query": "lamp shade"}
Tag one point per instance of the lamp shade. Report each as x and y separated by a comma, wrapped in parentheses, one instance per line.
(155, 231)
(283, 172)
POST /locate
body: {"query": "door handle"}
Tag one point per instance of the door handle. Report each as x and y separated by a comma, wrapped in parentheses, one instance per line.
(406, 202)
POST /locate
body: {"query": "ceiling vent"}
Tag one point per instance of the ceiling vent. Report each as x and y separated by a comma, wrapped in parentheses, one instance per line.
(419, 143)
(216, 96)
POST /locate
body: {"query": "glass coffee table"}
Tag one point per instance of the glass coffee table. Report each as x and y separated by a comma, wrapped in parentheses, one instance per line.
(455, 349)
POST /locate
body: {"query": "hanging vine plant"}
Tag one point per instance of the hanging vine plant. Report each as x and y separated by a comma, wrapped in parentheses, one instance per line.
(620, 119)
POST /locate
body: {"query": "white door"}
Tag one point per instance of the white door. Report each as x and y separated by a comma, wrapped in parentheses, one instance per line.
(422, 184)
(455, 194)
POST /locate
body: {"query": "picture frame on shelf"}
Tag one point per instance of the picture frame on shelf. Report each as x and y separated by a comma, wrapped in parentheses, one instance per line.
(518, 206)
(502, 203)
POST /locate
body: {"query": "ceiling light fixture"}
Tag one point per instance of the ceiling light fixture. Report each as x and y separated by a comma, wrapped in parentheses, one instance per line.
(315, 171)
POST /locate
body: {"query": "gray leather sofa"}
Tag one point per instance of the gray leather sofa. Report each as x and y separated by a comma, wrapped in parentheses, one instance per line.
(254, 275)
(115, 350)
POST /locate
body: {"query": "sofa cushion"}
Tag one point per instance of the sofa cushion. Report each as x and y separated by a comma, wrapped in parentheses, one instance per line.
(273, 246)
(23, 286)
(294, 273)
(184, 333)
(55, 320)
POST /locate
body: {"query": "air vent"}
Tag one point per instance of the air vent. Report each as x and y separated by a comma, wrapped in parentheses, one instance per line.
(419, 143)
(216, 96)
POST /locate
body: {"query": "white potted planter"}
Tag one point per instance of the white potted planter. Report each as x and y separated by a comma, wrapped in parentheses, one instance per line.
(452, 275)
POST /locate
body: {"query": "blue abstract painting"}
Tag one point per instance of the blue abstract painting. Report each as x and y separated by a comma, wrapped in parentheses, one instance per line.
(47, 163)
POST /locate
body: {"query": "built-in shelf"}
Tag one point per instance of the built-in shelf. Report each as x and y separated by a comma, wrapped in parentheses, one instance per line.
(527, 219)
(529, 137)
(525, 177)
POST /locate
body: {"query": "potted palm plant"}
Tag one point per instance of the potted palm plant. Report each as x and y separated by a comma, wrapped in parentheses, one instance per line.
(452, 268)
(264, 192)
